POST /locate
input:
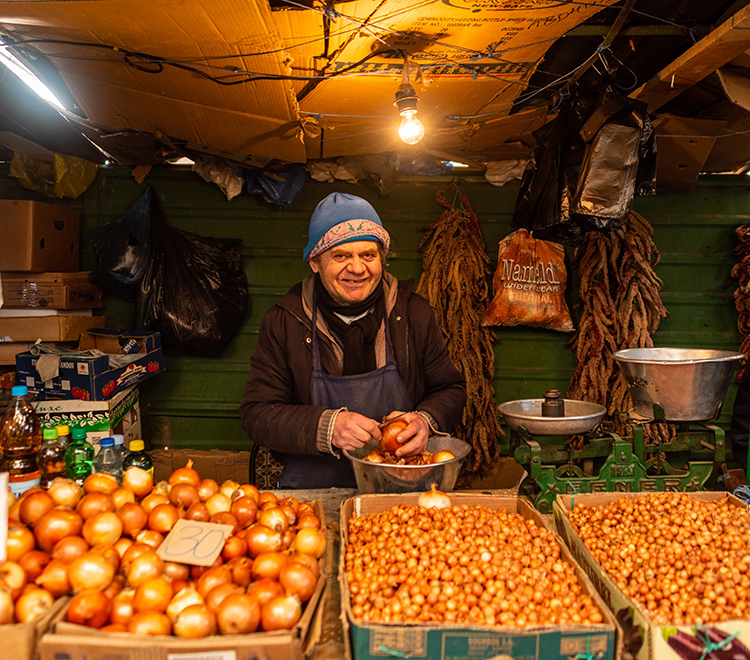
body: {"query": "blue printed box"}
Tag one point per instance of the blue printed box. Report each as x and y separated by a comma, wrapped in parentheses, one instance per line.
(95, 378)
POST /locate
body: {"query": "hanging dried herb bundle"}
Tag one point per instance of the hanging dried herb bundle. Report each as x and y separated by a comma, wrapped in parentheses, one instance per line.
(741, 273)
(454, 281)
(622, 308)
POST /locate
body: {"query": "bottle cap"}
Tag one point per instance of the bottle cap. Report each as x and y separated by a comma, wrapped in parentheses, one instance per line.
(107, 442)
(49, 434)
(19, 390)
(137, 445)
(78, 433)
(63, 429)
(119, 438)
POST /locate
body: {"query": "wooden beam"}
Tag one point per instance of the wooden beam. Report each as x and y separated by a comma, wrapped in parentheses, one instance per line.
(722, 45)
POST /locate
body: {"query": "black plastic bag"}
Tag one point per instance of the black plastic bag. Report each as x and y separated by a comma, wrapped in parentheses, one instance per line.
(123, 250)
(194, 291)
(589, 162)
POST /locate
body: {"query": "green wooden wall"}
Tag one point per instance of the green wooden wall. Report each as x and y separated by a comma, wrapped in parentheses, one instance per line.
(194, 403)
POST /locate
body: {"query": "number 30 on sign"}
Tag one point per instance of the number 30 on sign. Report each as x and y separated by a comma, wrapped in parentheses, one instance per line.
(193, 542)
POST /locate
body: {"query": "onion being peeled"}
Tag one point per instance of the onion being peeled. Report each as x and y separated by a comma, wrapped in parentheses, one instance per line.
(389, 433)
(434, 498)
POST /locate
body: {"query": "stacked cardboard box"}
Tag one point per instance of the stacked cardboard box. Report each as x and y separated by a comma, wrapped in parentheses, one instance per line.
(53, 307)
(39, 278)
(120, 414)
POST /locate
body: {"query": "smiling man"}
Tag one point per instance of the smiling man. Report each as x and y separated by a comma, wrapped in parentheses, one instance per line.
(344, 348)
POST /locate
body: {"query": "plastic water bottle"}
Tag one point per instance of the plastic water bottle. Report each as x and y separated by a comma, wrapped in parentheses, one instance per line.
(108, 460)
(63, 432)
(120, 447)
(79, 457)
(51, 456)
(139, 457)
(20, 438)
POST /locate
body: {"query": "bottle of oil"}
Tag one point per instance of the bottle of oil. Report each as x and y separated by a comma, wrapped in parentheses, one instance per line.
(20, 438)
(52, 456)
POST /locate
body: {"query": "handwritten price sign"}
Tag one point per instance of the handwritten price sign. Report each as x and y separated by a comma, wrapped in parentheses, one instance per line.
(192, 542)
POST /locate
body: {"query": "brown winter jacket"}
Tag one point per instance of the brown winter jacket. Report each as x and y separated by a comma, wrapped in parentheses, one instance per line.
(276, 410)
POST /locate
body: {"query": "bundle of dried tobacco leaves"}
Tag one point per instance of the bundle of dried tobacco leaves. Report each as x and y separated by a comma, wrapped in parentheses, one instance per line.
(622, 308)
(454, 281)
(741, 273)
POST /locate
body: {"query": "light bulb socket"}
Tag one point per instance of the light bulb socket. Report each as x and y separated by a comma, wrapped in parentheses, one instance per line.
(406, 98)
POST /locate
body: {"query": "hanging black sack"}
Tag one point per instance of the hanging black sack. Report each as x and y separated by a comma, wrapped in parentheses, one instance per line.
(194, 290)
(123, 250)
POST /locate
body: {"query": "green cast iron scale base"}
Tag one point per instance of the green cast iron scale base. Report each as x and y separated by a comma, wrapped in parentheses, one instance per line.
(610, 463)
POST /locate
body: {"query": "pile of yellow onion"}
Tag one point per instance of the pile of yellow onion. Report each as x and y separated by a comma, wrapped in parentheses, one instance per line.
(98, 544)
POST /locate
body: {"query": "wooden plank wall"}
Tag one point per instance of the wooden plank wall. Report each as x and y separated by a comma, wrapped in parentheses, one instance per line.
(194, 403)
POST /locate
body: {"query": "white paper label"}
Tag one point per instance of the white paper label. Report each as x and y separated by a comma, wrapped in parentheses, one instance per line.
(211, 655)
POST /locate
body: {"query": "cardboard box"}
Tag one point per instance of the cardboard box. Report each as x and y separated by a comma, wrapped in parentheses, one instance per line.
(643, 639)
(74, 642)
(120, 414)
(48, 328)
(9, 350)
(210, 464)
(96, 378)
(51, 291)
(20, 640)
(38, 236)
(455, 641)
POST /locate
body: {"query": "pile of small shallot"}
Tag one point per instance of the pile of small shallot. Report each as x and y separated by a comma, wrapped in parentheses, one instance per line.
(98, 544)
(437, 562)
(686, 560)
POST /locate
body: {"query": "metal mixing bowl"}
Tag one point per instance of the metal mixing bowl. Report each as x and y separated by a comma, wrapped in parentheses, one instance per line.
(677, 384)
(580, 417)
(384, 478)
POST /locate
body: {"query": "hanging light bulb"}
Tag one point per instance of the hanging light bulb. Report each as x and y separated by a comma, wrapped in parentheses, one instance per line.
(411, 129)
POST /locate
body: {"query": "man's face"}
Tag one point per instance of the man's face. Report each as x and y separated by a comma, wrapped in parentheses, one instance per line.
(350, 271)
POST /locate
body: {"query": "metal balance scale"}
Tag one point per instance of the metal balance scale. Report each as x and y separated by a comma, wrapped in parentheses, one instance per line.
(681, 386)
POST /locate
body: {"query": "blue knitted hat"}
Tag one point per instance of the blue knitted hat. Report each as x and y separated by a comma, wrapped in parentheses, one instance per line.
(343, 218)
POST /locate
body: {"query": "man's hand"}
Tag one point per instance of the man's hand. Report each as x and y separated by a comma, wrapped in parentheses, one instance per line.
(352, 431)
(413, 438)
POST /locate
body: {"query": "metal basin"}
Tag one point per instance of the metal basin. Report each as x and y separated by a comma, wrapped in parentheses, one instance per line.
(382, 478)
(677, 384)
(580, 417)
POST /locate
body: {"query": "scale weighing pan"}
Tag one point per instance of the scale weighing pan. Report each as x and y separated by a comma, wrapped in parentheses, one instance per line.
(580, 417)
(677, 384)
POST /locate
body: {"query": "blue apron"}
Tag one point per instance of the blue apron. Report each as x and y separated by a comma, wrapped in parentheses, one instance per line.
(373, 394)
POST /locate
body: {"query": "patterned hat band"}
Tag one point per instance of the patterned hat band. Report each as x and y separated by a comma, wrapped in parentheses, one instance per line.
(349, 231)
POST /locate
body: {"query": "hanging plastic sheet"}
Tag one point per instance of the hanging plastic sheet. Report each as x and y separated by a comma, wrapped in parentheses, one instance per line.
(221, 173)
(277, 185)
(64, 176)
(590, 161)
(194, 290)
(123, 250)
